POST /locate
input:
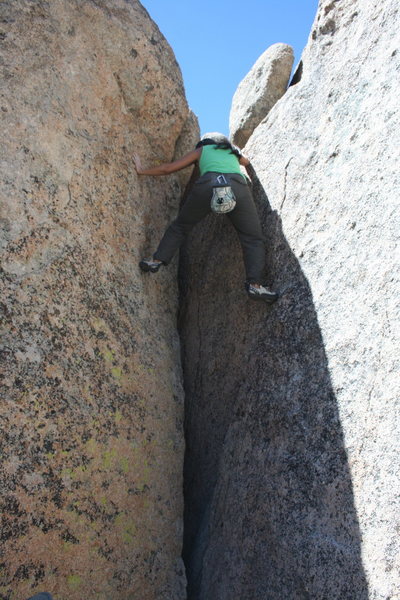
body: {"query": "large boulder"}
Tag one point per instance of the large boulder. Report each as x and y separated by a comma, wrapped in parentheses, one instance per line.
(257, 93)
(292, 460)
(92, 400)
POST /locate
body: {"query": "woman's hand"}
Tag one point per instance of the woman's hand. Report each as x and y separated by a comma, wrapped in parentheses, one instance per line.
(138, 164)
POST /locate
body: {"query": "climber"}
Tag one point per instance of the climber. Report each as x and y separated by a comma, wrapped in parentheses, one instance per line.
(216, 156)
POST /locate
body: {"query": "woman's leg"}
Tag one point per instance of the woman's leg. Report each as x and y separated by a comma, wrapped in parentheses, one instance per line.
(195, 208)
(245, 219)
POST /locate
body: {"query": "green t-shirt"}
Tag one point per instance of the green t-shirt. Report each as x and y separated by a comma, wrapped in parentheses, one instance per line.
(218, 161)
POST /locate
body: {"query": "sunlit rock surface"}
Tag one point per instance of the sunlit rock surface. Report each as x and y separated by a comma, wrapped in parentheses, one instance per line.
(292, 456)
(257, 93)
(92, 403)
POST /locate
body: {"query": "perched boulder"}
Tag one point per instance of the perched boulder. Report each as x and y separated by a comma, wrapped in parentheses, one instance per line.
(292, 431)
(92, 401)
(257, 93)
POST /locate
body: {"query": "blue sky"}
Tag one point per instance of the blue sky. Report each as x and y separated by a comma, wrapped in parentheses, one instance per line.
(216, 43)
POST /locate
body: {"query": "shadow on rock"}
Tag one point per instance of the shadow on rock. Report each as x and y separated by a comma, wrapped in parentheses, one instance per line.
(269, 510)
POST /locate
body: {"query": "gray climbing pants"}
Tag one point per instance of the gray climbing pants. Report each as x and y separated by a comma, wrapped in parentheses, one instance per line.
(243, 217)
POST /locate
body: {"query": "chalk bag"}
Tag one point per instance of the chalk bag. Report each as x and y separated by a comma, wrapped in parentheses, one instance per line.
(223, 199)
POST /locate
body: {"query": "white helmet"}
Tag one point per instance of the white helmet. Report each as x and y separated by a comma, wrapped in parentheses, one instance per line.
(218, 138)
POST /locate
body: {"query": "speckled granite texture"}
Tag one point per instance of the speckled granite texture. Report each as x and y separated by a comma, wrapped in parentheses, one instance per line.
(91, 395)
(259, 91)
(292, 471)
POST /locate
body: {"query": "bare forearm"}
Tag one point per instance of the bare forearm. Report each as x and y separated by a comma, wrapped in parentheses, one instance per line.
(166, 168)
(161, 170)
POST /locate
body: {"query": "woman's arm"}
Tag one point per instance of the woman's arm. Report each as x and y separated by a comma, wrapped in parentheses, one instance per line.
(246, 164)
(244, 161)
(167, 168)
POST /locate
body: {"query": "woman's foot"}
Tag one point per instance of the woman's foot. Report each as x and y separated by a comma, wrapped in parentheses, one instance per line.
(255, 291)
(150, 264)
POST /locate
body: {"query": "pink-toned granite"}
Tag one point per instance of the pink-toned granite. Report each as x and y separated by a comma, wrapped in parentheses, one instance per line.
(91, 408)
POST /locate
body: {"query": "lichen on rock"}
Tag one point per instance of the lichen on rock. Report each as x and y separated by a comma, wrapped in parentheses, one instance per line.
(92, 400)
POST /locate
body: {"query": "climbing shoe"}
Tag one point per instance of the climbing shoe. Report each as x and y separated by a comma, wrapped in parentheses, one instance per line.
(261, 293)
(148, 264)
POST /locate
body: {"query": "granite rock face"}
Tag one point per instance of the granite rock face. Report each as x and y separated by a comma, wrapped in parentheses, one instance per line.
(292, 453)
(257, 93)
(92, 400)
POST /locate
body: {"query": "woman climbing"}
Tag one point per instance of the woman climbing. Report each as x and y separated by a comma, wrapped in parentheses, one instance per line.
(216, 156)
